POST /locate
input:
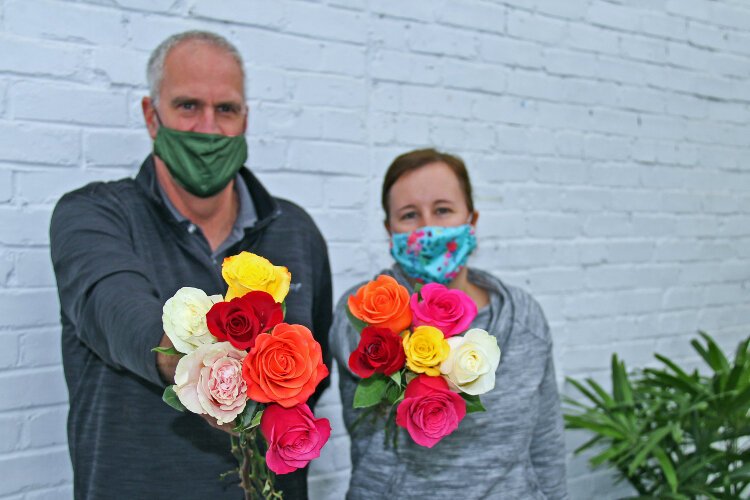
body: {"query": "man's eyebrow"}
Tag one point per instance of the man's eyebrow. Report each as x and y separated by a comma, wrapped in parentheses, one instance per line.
(185, 99)
(233, 104)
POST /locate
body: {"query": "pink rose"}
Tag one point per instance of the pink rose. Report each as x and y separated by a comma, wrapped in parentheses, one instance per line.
(450, 311)
(209, 380)
(294, 436)
(430, 411)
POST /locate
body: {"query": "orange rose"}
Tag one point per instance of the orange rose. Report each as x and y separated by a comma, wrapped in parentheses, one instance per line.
(285, 366)
(382, 303)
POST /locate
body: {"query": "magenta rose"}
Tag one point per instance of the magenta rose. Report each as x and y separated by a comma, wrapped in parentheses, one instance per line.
(450, 311)
(379, 350)
(242, 319)
(294, 436)
(430, 411)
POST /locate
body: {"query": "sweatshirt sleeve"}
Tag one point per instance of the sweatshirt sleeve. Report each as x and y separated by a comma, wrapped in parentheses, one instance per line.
(343, 337)
(547, 442)
(104, 291)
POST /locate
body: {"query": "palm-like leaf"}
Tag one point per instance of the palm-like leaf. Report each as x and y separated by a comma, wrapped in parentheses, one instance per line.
(670, 433)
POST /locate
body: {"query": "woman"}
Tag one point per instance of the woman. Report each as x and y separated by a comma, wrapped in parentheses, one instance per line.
(515, 449)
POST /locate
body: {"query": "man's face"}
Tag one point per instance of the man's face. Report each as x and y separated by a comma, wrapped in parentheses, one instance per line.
(201, 91)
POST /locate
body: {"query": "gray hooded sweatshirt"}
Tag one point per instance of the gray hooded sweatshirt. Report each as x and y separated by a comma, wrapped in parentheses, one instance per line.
(514, 450)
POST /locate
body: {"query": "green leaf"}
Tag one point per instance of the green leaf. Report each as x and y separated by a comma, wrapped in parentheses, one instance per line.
(606, 429)
(256, 419)
(283, 308)
(588, 444)
(715, 357)
(741, 355)
(246, 417)
(170, 397)
(473, 404)
(666, 467)
(583, 390)
(671, 364)
(393, 393)
(370, 391)
(686, 383)
(396, 377)
(417, 289)
(606, 399)
(620, 384)
(357, 323)
(169, 351)
(610, 453)
(653, 440)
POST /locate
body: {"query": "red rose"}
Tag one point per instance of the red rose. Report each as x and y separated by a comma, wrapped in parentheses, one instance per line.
(242, 319)
(379, 350)
(430, 411)
(294, 436)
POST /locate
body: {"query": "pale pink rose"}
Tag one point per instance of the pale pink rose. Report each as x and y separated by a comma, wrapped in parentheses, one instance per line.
(209, 381)
(450, 311)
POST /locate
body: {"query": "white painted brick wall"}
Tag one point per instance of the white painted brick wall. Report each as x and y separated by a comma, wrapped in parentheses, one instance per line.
(607, 142)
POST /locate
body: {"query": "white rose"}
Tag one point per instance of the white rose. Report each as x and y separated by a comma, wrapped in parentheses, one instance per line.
(472, 362)
(184, 319)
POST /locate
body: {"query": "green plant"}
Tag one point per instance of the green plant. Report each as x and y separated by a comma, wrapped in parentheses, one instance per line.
(670, 433)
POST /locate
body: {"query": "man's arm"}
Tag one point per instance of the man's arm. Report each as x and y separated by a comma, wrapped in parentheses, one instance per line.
(322, 314)
(103, 287)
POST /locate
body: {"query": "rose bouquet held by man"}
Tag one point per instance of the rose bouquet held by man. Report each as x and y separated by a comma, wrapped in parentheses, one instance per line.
(121, 249)
(244, 366)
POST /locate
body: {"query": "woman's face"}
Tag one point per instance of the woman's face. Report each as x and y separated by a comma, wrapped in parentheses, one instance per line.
(428, 196)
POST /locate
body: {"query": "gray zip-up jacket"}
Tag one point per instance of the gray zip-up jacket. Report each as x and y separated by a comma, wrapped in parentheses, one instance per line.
(119, 253)
(514, 450)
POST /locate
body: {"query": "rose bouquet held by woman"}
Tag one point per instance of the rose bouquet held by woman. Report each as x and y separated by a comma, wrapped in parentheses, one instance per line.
(421, 343)
(412, 361)
(245, 369)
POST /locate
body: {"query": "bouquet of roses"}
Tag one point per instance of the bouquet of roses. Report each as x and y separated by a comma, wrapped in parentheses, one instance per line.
(244, 366)
(412, 361)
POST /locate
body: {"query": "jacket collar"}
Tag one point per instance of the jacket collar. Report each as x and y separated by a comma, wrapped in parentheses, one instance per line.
(266, 206)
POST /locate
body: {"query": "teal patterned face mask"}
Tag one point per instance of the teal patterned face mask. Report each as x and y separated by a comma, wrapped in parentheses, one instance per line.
(434, 254)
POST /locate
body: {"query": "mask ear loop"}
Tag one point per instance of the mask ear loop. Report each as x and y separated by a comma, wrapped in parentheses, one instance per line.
(158, 118)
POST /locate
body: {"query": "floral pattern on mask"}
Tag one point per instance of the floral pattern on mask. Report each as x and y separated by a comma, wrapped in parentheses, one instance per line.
(434, 254)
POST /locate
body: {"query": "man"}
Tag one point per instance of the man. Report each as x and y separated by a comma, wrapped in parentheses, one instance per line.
(121, 249)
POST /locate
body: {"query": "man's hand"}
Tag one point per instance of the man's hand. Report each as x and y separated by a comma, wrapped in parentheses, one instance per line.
(223, 427)
(166, 364)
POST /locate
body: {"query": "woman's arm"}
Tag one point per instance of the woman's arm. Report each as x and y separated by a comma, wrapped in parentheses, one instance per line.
(547, 442)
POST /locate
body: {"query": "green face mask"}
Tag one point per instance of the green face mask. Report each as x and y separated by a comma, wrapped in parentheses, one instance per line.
(203, 164)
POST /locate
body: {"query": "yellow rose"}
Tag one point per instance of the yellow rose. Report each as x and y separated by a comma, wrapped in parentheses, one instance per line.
(425, 349)
(247, 272)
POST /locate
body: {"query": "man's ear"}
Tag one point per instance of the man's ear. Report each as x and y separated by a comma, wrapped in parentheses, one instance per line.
(247, 114)
(149, 116)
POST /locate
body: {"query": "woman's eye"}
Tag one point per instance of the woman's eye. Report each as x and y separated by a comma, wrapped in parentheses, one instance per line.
(408, 215)
(443, 211)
